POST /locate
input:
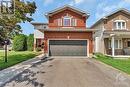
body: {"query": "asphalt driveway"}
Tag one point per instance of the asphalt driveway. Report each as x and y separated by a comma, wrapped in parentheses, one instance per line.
(70, 72)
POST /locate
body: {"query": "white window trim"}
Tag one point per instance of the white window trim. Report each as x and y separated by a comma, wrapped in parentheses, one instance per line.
(75, 20)
(119, 21)
(119, 44)
(117, 27)
(66, 17)
(110, 45)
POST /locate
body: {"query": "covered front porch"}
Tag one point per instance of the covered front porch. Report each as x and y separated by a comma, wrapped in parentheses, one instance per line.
(117, 44)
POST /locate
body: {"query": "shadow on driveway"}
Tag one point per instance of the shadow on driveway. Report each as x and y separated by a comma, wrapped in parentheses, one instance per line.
(29, 76)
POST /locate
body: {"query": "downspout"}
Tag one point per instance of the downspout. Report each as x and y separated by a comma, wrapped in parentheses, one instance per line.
(102, 39)
(102, 33)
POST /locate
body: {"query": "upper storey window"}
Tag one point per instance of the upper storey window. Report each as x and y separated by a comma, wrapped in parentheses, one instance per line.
(119, 25)
(67, 21)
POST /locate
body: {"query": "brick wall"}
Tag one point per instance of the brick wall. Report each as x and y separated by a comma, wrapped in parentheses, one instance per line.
(117, 16)
(53, 20)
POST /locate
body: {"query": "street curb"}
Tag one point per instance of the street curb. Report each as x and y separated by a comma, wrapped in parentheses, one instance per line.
(109, 66)
(17, 69)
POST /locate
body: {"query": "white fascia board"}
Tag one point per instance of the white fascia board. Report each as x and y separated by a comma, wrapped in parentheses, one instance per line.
(38, 34)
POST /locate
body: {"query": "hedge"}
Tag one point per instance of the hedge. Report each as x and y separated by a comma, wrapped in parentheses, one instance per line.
(20, 43)
(30, 42)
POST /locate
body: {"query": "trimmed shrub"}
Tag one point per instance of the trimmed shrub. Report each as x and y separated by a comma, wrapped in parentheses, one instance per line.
(20, 43)
(38, 49)
(30, 42)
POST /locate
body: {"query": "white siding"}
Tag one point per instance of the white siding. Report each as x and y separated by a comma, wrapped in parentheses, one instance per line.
(100, 28)
(42, 26)
(38, 34)
(97, 40)
(98, 37)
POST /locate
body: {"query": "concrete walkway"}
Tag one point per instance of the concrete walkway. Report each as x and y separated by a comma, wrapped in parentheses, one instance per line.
(70, 72)
(9, 73)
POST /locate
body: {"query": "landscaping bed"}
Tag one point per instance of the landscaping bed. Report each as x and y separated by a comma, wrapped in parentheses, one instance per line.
(121, 64)
(15, 58)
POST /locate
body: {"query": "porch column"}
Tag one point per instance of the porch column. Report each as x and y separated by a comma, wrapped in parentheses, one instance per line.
(46, 50)
(34, 44)
(113, 46)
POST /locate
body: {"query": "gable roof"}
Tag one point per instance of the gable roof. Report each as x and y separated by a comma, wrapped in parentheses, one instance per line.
(106, 17)
(81, 12)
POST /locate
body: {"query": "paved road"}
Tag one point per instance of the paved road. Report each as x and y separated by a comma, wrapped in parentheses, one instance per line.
(69, 72)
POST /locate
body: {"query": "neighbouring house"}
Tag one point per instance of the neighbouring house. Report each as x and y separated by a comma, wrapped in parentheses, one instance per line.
(113, 35)
(65, 34)
(39, 35)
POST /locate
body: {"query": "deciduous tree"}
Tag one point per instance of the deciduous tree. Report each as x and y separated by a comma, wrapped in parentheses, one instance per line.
(10, 23)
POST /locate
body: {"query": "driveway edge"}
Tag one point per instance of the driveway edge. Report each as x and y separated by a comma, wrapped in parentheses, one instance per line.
(111, 67)
(9, 73)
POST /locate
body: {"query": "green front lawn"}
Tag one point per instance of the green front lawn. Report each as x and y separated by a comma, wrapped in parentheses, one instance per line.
(15, 58)
(123, 65)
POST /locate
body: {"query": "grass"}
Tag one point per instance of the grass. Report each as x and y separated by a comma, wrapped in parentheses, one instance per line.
(15, 58)
(123, 65)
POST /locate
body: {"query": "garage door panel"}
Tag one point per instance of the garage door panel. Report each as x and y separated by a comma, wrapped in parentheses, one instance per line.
(68, 48)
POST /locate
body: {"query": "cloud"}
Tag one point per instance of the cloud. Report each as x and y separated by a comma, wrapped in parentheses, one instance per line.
(47, 2)
(127, 1)
(77, 2)
(71, 3)
(104, 9)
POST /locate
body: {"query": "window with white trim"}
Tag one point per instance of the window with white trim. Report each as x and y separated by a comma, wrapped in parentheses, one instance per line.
(117, 44)
(66, 21)
(119, 25)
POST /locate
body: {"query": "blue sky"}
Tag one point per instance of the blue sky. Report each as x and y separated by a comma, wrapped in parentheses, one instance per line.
(96, 8)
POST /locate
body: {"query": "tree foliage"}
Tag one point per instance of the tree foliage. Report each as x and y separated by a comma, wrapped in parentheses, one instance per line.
(10, 24)
(30, 42)
(20, 43)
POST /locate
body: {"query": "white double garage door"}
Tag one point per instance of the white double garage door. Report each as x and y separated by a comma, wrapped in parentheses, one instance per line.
(68, 48)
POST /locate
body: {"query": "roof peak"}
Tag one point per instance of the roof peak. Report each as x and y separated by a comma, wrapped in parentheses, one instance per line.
(111, 13)
(79, 11)
(117, 10)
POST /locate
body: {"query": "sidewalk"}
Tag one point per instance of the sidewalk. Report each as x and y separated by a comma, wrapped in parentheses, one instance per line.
(9, 73)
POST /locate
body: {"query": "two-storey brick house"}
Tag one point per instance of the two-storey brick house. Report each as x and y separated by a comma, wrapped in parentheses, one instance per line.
(113, 37)
(65, 34)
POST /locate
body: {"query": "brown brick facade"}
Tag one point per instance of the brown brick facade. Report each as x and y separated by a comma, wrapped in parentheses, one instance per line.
(118, 16)
(53, 20)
